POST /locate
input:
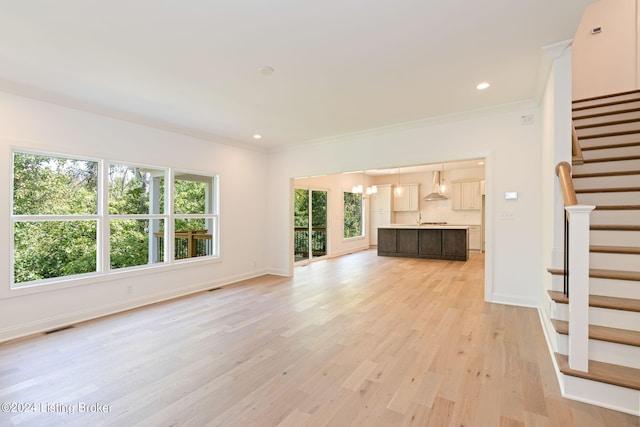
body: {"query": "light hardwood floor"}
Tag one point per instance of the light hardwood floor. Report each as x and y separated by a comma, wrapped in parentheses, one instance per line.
(359, 340)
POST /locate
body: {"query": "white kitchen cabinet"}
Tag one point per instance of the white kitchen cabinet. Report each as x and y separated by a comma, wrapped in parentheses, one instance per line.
(382, 200)
(475, 243)
(408, 200)
(381, 210)
(466, 195)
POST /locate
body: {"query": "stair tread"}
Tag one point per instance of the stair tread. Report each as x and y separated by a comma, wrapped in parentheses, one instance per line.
(625, 304)
(634, 250)
(607, 123)
(622, 376)
(615, 227)
(605, 274)
(606, 190)
(617, 207)
(609, 146)
(611, 159)
(609, 134)
(603, 174)
(603, 333)
(605, 113)
(614, 274)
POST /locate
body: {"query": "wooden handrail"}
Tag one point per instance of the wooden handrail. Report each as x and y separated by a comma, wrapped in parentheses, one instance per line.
(563, 170)
(576, 151)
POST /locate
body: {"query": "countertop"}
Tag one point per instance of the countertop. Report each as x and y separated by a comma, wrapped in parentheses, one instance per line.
(422, 226)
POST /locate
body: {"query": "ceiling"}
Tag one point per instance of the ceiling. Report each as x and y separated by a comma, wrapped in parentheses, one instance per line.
(339, 67)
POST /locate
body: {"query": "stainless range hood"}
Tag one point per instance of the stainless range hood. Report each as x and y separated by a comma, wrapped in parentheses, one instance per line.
(435, 195)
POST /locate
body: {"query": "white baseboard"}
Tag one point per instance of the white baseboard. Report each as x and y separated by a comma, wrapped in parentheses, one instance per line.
(509, 299)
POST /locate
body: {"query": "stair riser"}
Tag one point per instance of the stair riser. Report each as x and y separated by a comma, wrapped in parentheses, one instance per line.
(613, 288)
(614, 238)
(614, 318)
(604, 317)
(605, 129)
(577, 121)
(604, 287)
(622, 165)
(614, 217)
(604, 351)
(601, 394)
(557, 283)
(607, 181)
(632, 150)
(608, 199)
(623, 98)
(618, 139)
(626, 262)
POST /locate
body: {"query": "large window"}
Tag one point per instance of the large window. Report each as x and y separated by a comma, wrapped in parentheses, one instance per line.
(73, 216)
(195, 223)
(135, 215)
(55, 217)
(352, 211)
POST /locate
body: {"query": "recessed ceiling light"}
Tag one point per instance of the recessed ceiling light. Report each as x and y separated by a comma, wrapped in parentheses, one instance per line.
(257, 136)
(481, 163)
(265, 70)
(482, 85)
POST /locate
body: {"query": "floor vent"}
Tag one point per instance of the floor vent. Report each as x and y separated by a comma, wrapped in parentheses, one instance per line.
(214, 289)
(53, 331)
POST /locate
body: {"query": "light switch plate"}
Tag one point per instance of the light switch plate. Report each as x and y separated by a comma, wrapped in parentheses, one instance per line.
(511, 195)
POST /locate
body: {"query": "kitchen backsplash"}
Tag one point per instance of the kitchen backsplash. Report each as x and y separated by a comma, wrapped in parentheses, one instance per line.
(439, 213)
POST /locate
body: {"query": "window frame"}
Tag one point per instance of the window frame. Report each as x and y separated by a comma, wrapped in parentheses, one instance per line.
(362, 216)
(27, 218)
(103, 218)
(213, 216)
(129, 216)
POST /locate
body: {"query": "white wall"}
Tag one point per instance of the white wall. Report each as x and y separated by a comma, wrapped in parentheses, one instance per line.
(513, 156)
(607, 62)
(556, 148)
(243, 200)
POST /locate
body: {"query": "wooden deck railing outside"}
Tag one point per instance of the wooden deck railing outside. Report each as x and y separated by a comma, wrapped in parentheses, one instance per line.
(188, 244)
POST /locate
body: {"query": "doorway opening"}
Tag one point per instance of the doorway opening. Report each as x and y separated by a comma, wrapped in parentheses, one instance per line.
(309, 225)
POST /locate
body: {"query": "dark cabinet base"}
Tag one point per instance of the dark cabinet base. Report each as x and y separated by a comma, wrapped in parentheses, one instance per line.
(449, 244)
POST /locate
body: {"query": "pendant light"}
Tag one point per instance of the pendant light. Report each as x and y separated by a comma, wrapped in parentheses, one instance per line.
(399, 189)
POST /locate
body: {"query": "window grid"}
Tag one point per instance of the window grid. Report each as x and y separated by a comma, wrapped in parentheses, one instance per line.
(157, 220)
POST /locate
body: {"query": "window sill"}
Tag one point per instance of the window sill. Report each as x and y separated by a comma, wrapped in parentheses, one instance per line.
(96, 278)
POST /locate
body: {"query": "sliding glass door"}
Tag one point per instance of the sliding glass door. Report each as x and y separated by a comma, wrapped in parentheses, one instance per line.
(310, 224)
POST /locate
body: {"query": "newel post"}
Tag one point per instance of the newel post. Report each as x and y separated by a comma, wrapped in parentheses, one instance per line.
(579, 285)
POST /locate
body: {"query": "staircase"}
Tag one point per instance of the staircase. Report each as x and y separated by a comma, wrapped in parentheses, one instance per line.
(608, 177)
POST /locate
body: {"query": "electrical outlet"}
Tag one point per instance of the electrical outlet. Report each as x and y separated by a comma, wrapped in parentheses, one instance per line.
(129, 289)
(507, 215)
(526, 120)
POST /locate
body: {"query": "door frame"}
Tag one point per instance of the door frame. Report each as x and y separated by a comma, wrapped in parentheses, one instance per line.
(311, 258)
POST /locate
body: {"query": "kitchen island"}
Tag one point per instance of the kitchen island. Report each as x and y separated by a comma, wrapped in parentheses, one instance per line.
(449, 242)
